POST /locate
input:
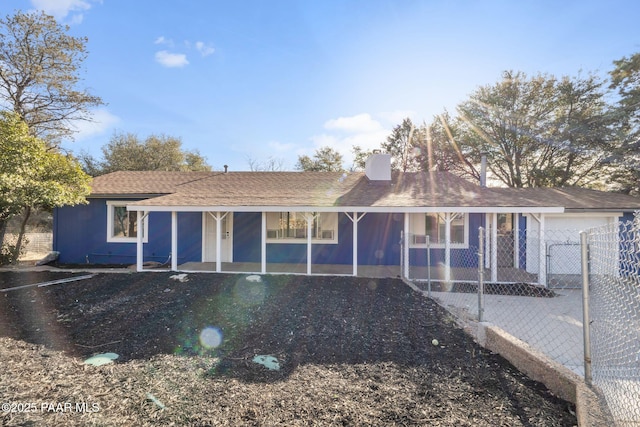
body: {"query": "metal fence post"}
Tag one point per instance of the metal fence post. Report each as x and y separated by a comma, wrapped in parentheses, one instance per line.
(480, 274)
(586, 320)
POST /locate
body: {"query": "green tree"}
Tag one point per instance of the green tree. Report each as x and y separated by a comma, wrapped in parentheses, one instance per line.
(126, 152)
(401, 144)
(325, 159)
(360, 157)
(438, 148)
(536, 132)
(33, 176)
(625, 79)
(40, 74)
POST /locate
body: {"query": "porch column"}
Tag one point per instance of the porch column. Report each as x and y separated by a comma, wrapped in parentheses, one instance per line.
(174, 241)
(139, 252)
(542, 269)
(487, 240)
(218, 242)
(447, 247)
(309, 217)
(141, 217)
(355, 219)
(263, 244)
(516, 240)
(494, 247)
(405, 245)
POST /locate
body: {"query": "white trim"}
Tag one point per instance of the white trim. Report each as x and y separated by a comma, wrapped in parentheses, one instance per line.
(343, 209)
(174, 241)
(433, 244)
(111, 204)
(332, 220)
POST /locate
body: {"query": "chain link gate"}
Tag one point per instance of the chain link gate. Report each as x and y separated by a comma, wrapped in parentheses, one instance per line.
(613, 310)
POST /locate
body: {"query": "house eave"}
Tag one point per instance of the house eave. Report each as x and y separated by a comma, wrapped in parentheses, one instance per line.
(372, 209)
(137, 196)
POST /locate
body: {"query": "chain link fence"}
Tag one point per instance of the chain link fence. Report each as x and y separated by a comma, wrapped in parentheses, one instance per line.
(530, 284)
(531, 287)
(614, 316)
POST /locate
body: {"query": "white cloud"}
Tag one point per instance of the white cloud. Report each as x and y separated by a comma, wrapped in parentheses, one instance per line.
(171, 60)
(164, 41)
(346, 132)
(60, 9)
(358, 123)
(101, 121)
(204, 49)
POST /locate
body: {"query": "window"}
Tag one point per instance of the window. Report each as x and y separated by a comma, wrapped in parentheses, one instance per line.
(434, 225)
(292, 226)
(122, 225)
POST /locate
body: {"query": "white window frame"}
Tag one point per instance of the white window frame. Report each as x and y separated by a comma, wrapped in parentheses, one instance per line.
(111, 205)
(417, 229)
(326, 223)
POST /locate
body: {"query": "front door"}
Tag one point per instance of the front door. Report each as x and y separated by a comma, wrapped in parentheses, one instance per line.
(210, 237)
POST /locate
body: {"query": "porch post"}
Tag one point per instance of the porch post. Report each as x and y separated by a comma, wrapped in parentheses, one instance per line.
(494, 247)
(139, 252)
(355, 220)
(447, 247)
(218, 242)
(516, 240)
(405, 245)
(263, 244)
(174, 241)
(542, 269)
(487, 240)
(309, 217)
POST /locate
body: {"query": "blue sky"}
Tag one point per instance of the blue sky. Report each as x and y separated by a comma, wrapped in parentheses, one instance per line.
(248, 81)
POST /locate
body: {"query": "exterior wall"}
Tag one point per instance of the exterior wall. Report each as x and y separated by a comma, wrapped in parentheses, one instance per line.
(467, 257)
(378, 242)
(246, 244)
(80, 235)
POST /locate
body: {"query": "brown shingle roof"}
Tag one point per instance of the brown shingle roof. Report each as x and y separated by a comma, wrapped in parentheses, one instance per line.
(142, 182)
(335, 189)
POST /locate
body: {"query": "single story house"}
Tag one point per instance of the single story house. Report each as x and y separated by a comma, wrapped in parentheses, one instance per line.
(328, 223)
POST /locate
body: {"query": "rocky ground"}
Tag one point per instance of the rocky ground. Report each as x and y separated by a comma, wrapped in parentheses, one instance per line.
(223, 349)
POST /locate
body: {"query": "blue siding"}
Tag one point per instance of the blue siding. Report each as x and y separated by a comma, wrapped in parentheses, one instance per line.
(246, 243)
(379, 239)
(80, 235)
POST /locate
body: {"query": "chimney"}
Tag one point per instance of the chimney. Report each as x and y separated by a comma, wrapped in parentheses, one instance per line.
(378, 167)
(226, 167)
(483, 169)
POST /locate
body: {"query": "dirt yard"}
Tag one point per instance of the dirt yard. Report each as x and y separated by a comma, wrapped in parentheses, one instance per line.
(350, 352)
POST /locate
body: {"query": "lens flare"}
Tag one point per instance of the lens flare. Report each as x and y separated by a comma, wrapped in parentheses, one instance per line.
(211, 337)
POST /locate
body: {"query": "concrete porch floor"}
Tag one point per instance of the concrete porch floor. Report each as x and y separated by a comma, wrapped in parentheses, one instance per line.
(437, 273)
(374, 271)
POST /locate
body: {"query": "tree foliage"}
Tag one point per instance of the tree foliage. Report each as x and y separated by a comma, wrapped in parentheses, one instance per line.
(126, 152)
(32, 175)
(40, 72)
(625, 79)
(325, 159)
(401, 144)
(537, 132)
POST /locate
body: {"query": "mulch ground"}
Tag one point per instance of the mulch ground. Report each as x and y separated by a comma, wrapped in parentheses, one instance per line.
(351, 351)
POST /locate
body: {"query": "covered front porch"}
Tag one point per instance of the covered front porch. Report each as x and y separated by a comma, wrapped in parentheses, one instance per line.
(363, 244)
